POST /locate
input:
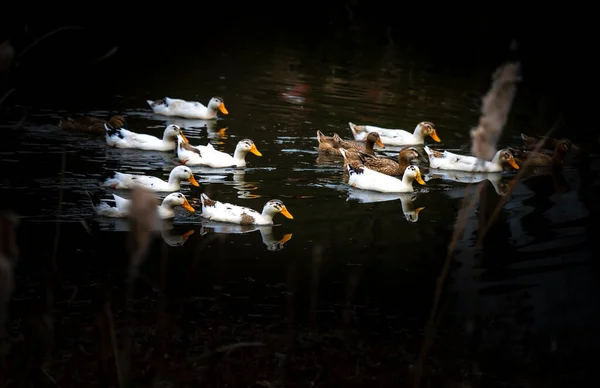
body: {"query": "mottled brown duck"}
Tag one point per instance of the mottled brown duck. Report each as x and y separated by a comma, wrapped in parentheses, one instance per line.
(331, 145)
(91, 125)
(542, 159)
(383, 164)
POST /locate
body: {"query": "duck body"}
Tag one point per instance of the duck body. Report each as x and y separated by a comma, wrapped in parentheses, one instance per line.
(208, 156)
(396, 137)
(188, 109)
(124, 138)
(120, 207)
(331, 145)
(386, 165)
(90, 125)
(446, 160)
(362, 177)
(129, 181)
(241, 215)
(543, 159)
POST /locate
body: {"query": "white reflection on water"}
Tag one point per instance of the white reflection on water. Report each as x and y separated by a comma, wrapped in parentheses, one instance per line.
(266, 232)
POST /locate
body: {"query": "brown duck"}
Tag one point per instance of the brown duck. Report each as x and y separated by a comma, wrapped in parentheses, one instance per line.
(331, 145)
(383, 164)
(541, 159)
(91, 125)
(548, 143)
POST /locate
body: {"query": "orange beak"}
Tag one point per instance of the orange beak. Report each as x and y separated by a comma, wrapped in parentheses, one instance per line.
(512, 162)
(223, 109)
(255, 151)
(286, 213)
(193, 181)
(379, 143)
(187, 205)
(434, 135)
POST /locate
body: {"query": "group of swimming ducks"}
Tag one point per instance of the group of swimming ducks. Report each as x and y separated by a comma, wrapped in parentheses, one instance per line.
(363, 167)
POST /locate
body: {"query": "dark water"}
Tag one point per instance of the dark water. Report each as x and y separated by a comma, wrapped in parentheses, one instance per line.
(349, 298)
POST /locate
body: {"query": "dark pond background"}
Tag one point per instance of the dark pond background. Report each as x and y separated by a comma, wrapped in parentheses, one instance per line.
(360, 295)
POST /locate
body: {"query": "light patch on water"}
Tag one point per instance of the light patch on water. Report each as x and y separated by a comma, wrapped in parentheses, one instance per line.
(299, 151)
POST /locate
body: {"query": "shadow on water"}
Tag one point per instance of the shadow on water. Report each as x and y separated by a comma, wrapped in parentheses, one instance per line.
(342, 292)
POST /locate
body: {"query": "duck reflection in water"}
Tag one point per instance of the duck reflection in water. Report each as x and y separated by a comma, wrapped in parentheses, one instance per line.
(215, 130)
(500, 183)
(409, 208)
(266, 232)
(220, 175)
(170, 233)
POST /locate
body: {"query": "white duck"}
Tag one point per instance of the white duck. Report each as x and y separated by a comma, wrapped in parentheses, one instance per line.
(235, 214)
(120, 207)
(208, 156)
(122, 180)
(396, 137)
(446, 160)
(188, 109)
(124, 138)
(364, 178)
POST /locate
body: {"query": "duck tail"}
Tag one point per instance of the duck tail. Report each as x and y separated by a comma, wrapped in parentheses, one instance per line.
(356, 129)
(112, 131)
(206, 201)
(320, 136)
(154, 103)
(94, 200)
(110, 180)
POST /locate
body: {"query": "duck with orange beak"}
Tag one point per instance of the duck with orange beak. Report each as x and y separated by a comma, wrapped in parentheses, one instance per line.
(188, 109)
(209, 156)
(121, 180)
(446, 160)
(397, 137)
(119, 207)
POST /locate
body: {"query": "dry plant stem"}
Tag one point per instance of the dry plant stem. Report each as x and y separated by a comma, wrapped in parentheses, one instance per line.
(314, 297)
(513, 183)
(494, 111)
(63, 166)
(162, 318)
(5, 95)
(35, 42)
(113, 341)
(459, 227)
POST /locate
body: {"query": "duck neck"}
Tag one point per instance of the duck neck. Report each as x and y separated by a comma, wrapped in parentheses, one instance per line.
(496, 159)
(418, 133)
(407, 178)
(168, 139)
(558, 157)
(369, 143)
(174, 180)
(239, 154)
(267, 214)
(166, 210)
(403, 161)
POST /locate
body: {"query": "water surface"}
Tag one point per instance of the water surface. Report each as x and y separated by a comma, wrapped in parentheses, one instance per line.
(357, 271)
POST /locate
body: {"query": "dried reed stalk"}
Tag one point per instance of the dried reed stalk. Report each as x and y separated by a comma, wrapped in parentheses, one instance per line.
(494, 111)
(144, 221)
(9, 254)
(495, 108)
